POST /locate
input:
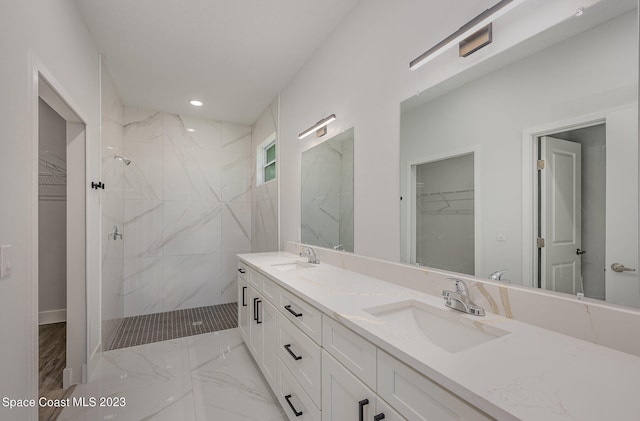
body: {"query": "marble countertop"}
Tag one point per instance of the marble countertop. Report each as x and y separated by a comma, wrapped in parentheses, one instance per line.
(529, 374)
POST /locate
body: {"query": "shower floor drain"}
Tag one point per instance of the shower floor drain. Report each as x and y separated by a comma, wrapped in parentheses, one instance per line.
(198, 323)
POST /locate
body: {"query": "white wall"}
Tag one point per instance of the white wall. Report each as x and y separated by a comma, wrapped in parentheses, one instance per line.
(187, 210)
(361, 74)
(561, 82)
(264, 198)
(52, 219)
(54, 32)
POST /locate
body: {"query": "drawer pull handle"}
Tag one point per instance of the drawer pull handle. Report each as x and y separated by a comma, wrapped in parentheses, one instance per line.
(295, 411)
(379, 417)
(294, 356)
(244, 289)
(242, 270)
(288, 308)
(258, 321)
(255, 309)
(361, 406)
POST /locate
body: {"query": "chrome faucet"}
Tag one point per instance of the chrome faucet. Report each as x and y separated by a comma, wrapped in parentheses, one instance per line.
(312, 257)
(497, 276)
(339, 247)
(460, 300)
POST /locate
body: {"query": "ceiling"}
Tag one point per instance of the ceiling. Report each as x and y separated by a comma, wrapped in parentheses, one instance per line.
(234, 55)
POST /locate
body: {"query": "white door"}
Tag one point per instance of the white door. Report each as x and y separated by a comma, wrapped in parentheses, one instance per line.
(561, 215)
(622, 207)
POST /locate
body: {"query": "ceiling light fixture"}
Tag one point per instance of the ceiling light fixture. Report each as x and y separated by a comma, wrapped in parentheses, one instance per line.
(196, 103)
(475, 24)
(189, 129)
(316, 127)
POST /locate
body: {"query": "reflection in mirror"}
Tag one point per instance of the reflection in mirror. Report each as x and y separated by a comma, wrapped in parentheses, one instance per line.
(554, 138)
(444, 208)
(327, 193)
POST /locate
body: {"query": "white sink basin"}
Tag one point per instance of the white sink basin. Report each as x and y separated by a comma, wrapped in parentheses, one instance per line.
(293, 266)
(441, 327)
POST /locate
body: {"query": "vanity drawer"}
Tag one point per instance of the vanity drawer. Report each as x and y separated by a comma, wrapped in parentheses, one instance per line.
(292, 397)
(265, 286)
(306, 317)
(353, 351)
(416, 397)
(243, 271)
(302, 356)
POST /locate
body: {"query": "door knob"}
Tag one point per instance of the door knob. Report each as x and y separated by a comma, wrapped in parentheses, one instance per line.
(619, 267)
(580, 251)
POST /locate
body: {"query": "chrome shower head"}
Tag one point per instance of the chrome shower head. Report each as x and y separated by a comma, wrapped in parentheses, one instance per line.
(125, 160)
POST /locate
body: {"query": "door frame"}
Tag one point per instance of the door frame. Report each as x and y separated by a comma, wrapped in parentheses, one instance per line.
(530, 181)
(410, 195)
(44, 84)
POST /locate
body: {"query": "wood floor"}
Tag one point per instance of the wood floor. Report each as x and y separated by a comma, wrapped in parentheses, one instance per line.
(52, 340)
(53, 355)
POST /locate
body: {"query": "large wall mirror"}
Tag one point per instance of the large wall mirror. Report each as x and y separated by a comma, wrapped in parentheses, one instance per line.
(327, 193)
(530, 166)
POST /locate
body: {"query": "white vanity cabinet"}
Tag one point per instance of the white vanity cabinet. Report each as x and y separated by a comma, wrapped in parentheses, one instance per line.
(321, 370)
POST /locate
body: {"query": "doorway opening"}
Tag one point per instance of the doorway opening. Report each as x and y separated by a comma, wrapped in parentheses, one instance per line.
(571, 203)
(60, 243)
(52, 247)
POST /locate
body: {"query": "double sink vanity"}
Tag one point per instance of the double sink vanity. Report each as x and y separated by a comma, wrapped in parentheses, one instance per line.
(338, 345)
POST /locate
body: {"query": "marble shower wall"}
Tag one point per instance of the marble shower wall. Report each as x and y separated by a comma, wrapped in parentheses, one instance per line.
(264, 198)
(111, 139)
(187, 210)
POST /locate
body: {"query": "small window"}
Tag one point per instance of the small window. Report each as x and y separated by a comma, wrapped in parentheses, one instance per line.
(270, 162)
(266, 160)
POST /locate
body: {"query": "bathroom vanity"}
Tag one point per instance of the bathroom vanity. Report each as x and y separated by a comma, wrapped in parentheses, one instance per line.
(335, 344)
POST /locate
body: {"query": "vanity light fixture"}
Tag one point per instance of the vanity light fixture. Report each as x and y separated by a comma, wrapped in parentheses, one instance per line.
(196, 103)
(469, 28)
(318, 127)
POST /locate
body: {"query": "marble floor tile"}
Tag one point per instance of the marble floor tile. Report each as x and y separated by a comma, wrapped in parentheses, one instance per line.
(208, 377)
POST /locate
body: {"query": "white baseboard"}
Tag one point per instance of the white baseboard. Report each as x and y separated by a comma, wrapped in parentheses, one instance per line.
(67, 376)
(52, 316)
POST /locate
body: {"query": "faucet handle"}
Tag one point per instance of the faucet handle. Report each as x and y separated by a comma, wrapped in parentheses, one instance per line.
(497, 275)
(461, 286)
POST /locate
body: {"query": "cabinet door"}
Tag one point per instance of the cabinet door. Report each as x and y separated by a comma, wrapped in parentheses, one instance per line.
(268, 314)
(344, 397)
(243, 308)
(255, 325)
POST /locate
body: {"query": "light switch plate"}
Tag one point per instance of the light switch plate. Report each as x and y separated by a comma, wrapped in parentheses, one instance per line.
(5, 261)
(501, 234)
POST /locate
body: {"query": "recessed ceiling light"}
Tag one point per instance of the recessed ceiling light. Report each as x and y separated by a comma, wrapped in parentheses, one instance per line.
(191, 130)
(196, 103)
